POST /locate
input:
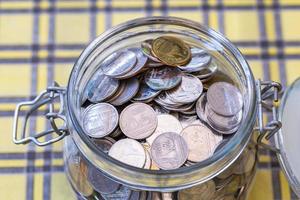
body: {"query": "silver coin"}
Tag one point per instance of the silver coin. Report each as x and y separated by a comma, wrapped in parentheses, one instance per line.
(164, 100)
(199, 61)
(100, 87)
(216, 127)
(188, 91)
(100, 182)
(223, 122)
(129, 152)
(163, 78)
(100, 120)
(122, 194)
(201, 142)
(147, 49)
(119, 63)
(169, 151)
(200, 107)
(208, 72)
(141, 62)
(224, 98)
(130, 90)
(145, 93)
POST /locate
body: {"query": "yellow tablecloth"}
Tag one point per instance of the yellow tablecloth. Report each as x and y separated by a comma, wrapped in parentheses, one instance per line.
(40, 40)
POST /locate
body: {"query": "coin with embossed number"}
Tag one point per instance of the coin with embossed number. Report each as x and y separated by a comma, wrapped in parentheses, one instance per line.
(130, 90)
(100, 182)
(165, 123)
(128, 151)
(145, 93)
(171, 50)
(201, 142)
(100, 120)
(163, 78)
(138, 121)
(224, 98)
(119, 63)
(188, 91)
(100, 87)
(169, 151)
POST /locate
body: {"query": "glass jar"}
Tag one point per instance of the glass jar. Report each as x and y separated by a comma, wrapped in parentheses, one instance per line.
(225, 175)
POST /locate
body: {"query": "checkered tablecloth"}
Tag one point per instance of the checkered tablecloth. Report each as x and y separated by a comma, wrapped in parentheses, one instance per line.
(40, 40)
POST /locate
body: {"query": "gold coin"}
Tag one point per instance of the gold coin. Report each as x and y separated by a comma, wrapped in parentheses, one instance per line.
(171, 51)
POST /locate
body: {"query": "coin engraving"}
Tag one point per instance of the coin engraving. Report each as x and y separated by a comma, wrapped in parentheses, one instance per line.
(201, 142)
(100, 120)
(169, 151)
(171, 50)
(138, 121)
(163, 78)
(189, 90)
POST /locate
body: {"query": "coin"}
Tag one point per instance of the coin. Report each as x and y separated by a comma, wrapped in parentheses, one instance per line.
(138, 121)
(119, 91)
(100, 182)
(128, 151)
(215, 127)
(147, 49)
(223, 122)
(204, 191)
(100, 87)
(130, 90)
(165, 123)
(119, 63)
(167, 196)
(207, 72)
(104, 144)
(198, 62)
(145, 93)
(78, 176)
(188, 91)
(171, 50)
(169, 151)
(100, 120)
(121, 194)
(224, 98)
(163, 78)
(201, 142)
(141, 62)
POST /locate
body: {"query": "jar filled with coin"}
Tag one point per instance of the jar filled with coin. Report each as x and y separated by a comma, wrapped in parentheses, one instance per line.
(164, 108)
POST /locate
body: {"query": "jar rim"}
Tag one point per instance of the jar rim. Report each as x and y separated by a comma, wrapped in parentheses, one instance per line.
(205, 168)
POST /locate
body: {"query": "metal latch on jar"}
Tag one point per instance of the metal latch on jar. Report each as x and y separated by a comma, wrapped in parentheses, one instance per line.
(268, 98)
(47, 97)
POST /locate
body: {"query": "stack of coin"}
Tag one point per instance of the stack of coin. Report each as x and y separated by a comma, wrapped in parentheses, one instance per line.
(151, 99)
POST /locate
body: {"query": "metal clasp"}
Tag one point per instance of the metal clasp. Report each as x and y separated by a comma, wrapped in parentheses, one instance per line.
(48, 97)
(268, 98)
